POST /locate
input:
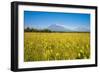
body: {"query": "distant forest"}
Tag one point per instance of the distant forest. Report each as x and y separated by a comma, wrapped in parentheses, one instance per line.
(36, 30)
(47, 30)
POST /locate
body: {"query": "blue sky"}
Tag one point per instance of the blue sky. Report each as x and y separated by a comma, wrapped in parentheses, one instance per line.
(41, 20)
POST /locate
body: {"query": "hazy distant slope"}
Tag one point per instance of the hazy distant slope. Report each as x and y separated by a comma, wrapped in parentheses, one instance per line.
(56, 27)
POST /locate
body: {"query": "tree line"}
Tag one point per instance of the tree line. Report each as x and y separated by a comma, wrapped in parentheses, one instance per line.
(36, 30)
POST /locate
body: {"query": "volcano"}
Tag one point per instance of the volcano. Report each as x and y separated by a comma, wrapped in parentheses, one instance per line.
(59, 28)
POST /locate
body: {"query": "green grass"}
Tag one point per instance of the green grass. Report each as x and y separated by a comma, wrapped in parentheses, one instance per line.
(56, 46)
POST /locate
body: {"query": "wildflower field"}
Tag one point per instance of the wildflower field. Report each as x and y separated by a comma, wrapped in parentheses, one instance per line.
(44, 46)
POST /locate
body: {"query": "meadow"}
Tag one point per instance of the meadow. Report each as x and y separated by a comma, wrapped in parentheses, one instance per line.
(44, 46)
